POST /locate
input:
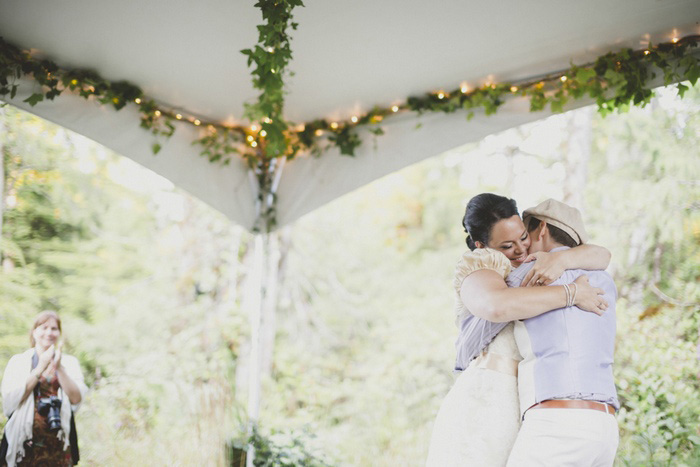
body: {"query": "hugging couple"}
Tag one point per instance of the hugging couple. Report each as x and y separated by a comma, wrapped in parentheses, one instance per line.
(535, 347)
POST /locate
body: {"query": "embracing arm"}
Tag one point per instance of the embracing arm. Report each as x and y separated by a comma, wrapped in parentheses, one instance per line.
(487, 296)
(550, 266)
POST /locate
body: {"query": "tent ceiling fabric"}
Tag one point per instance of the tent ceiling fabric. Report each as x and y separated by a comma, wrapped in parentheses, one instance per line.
(348, 56)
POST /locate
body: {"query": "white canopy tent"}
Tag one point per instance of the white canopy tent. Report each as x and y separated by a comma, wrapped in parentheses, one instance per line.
(348, 57)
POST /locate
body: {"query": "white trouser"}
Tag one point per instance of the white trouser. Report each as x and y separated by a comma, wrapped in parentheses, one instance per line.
(565, 437)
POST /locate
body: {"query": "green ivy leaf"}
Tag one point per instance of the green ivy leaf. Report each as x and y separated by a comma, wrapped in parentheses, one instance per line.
(34, 99)
(156, 148)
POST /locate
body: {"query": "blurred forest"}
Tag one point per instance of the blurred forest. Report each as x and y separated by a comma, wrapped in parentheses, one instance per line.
(151, 286)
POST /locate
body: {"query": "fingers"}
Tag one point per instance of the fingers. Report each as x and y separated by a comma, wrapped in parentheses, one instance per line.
(530, 258)
(527, 280)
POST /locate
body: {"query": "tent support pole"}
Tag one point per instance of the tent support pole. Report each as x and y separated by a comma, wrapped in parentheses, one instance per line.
(256, 300)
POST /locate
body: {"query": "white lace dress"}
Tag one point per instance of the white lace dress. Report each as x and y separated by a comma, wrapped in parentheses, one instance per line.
(479, 418)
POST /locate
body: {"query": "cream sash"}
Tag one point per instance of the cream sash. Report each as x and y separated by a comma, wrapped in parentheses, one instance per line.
(496, 362)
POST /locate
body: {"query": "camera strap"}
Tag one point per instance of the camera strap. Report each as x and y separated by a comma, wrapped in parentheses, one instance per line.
(35, 362)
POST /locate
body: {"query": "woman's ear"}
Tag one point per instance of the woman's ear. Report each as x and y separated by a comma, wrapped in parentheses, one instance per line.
(479, 244)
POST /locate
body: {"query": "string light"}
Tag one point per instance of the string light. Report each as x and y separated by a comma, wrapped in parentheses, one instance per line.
(675, 40)
(513, 89)
(301, 127)
(464, 89)
(178, 116)
(157, 113)
(267, 120)
(137, 100)
(254, 144)
(250, 138)
(354, 119)
(394, 108)
(646, 52)
(334, 125)
(263, 133)
(197, 122)
(253, 128)
(563, 78)
(74, 82)
(441, 95)
(319, 132)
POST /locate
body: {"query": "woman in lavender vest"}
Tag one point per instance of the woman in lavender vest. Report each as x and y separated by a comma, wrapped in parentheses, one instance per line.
(479, 418)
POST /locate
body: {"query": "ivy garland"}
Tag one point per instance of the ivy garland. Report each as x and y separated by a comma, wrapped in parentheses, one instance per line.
(615, 80)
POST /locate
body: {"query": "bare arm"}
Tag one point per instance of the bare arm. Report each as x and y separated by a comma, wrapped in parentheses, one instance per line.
(68, 385)
(487, 296)
(550, 266)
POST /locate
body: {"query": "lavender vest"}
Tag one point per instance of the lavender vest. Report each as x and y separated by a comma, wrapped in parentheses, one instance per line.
(567, 353)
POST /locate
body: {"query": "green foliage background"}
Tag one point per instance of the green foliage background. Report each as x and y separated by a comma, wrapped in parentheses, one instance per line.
(151, 287)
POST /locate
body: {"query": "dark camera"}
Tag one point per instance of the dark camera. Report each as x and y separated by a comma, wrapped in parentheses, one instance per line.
(50, 407)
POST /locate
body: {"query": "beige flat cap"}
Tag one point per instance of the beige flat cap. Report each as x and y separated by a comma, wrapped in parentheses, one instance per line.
(559, 215)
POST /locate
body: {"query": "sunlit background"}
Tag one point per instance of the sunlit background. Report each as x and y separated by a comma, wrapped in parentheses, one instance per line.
(151, 286)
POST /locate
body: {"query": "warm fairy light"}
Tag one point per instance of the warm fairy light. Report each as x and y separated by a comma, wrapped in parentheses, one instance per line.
(513, 89)
(250, 138)
(253, 128)
(74, 82)
(563, 79)
(263, 133)
(675, 40)
(197, 122)
(354, 119)
(270, 49)
(267, 120)
(464, 89)
(273, 71)
(646, 52)
(319, 132)
(301, 127)
(493, 86)
(178, 116)
(394, 108)
(334, 125)
(441, 95)
(157, 113)
(254, 144)
(137, 100)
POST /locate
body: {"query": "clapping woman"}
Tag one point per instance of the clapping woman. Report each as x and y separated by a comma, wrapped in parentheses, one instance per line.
(41, 388)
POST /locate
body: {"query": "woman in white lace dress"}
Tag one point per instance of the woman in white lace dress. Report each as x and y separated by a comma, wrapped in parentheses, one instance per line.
(479, 418)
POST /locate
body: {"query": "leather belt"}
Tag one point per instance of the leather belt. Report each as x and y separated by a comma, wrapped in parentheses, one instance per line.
(496, 362)
(575, 404)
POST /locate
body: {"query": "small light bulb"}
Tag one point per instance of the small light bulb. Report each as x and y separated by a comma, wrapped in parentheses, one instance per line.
(354, 119)
(250, 138)
(267, 120)
(675, 40)
(395, 108)
(273, 71)
(253, 128)
(646, 52)
(197, 122)
(74, 82)
(254, 144)
(137, 100)
(334, 125)
(563, 79)
(178, 116)
(464, 89)
(270, 49)
(301, 127)
(319, 132)
(513, 89)
(263, 133)
(441, 95)
(157, 113)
